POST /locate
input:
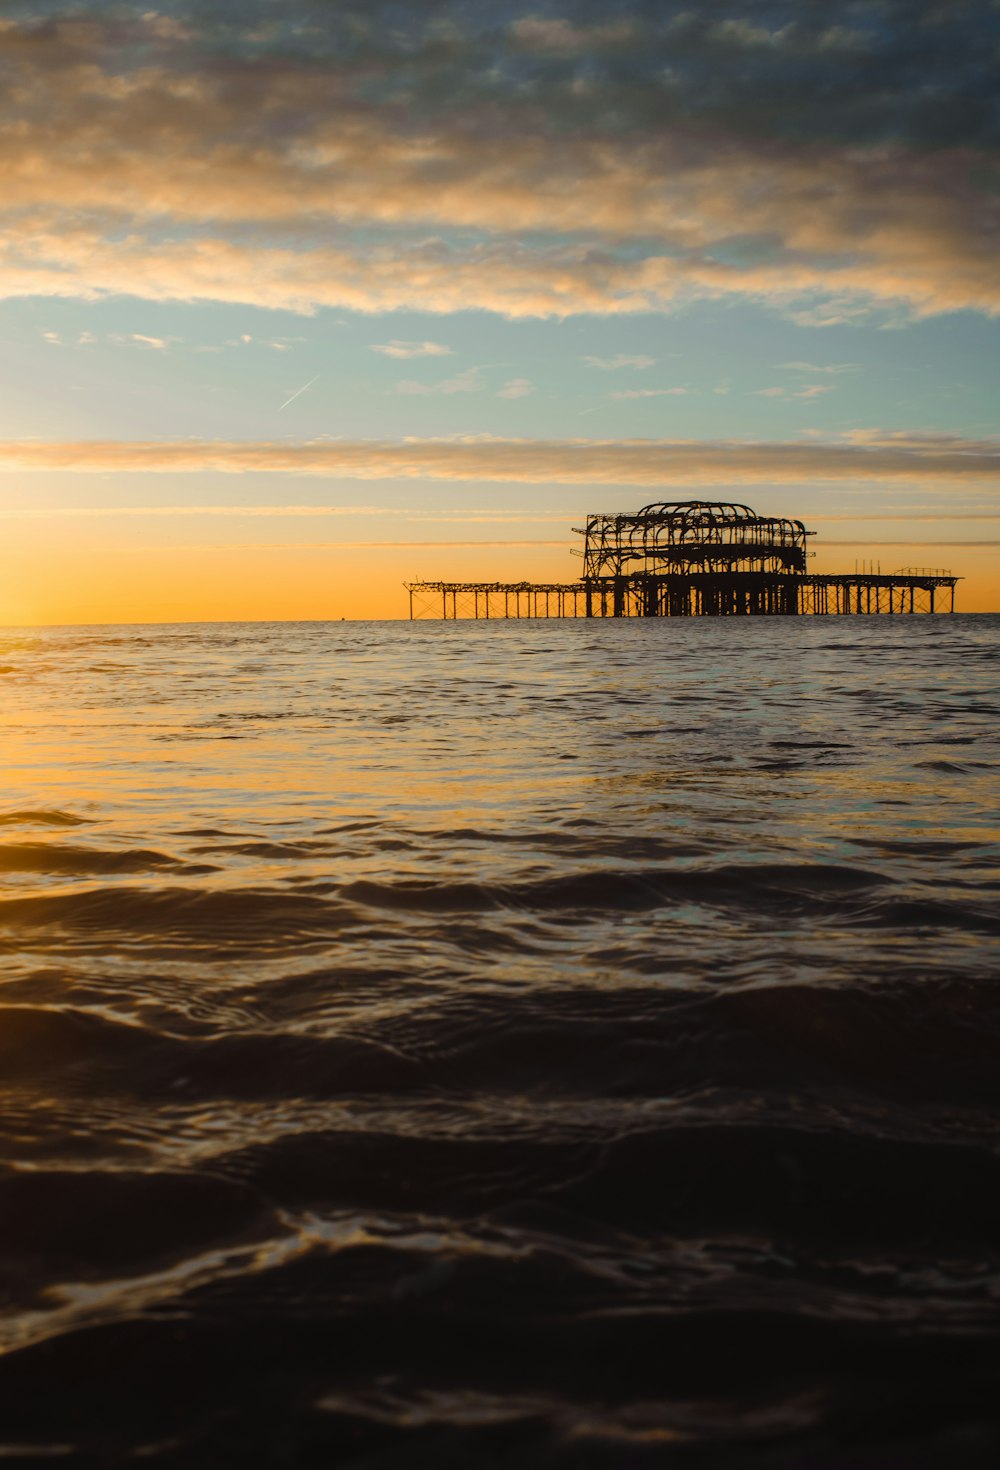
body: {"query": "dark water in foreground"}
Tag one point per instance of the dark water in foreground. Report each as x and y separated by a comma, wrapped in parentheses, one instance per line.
(482, 1046)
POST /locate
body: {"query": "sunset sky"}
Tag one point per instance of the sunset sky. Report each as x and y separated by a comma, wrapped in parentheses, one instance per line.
(300, 300)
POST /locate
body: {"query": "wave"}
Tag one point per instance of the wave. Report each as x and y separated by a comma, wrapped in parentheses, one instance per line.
(839, 1043)
(72, 1224)
(370, 1349)
(41, 818)
(168, 918)
(850, 1189)
(806, 891)
(52, 857)
(65, 1044)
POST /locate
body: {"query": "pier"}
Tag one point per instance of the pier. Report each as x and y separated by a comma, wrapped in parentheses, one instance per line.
(692, 559)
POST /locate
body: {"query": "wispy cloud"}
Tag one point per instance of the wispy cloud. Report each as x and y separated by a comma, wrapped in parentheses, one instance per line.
(810, 390)
(540, 33)
(412, 349)
(516, 388)
(928, 545)
(812, 367)
(469, 381)
(247, 339)
(651, 393)
(288, 512)
(158, 547)
(71, 512)
(861, 457)
(621, 360)
(915, 516)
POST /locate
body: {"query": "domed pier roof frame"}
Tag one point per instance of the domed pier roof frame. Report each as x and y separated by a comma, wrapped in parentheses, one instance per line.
(691, 536)
(691, 558)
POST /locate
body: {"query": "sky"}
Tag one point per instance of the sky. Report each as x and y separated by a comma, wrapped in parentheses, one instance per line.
(300, 299)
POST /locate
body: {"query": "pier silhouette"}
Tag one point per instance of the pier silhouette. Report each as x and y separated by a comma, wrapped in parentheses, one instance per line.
(692, 558)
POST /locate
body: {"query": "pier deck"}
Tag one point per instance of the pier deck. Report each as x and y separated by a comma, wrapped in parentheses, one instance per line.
(643, 594)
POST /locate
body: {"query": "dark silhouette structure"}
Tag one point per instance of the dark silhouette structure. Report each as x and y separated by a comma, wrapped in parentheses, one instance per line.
(692, 558)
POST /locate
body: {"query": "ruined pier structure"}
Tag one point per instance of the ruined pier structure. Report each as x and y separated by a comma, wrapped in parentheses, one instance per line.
(692, 558)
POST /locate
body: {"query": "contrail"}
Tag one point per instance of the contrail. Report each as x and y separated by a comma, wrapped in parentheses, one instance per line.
(295, 395)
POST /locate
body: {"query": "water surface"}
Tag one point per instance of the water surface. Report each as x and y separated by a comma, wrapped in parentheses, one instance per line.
(537, 1043)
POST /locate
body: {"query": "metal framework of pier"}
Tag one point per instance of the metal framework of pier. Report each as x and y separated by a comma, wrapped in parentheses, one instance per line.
(691, 559)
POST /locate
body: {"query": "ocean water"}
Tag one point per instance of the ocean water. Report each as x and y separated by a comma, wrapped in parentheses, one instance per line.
(482, 1045)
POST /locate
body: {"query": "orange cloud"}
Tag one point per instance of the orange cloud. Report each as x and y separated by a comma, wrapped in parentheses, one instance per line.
(649, 462)
(505, 277)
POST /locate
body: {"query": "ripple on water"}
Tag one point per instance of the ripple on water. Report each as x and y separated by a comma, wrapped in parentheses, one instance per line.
(545, 1044)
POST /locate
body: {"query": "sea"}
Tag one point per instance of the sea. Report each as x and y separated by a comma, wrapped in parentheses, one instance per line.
(516, 1044)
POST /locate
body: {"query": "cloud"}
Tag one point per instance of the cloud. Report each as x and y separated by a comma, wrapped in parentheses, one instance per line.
(541, 34)
(165, 27)
(129, 339)
(412, 349)
(516, 388)
(845, 311)
(742, 33)
(64, 512)
(158, 547)
(53, 338)
(863, 456)
(911, 516)
(247, 339)
(508, 277)
(651, 393)
(469, 381)
(810, 390)
(331, 150)
(614, 364)
(812, 367)
(103, 512)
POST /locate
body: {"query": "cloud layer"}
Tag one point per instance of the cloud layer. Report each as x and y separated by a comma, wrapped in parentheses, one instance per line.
(653, 463)
(823, 158)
